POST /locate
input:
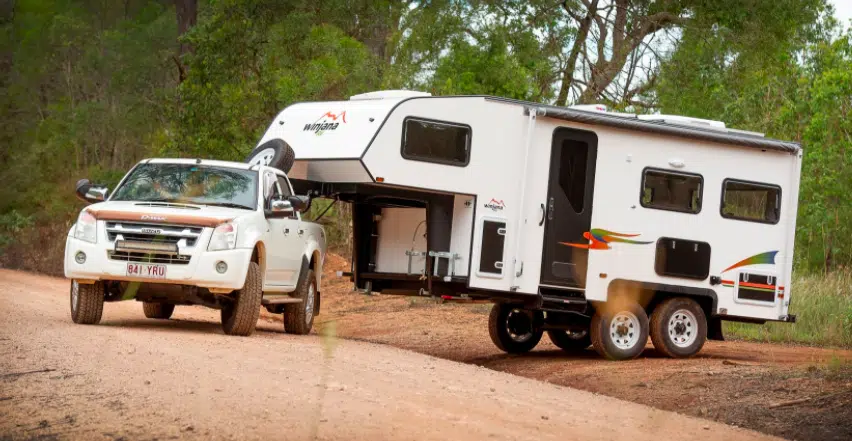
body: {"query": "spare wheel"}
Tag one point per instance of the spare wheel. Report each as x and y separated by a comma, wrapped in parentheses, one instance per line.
(274, 153)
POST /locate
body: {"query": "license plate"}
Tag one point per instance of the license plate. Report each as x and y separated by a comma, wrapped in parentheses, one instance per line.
(146, 270)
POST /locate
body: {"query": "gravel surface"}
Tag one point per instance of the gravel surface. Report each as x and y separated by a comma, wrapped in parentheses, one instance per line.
(136, 378)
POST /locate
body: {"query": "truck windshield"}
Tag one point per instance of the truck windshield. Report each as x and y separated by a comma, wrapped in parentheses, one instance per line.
(190, 183)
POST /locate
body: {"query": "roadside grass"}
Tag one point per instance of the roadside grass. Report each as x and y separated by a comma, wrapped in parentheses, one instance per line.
(823, 306)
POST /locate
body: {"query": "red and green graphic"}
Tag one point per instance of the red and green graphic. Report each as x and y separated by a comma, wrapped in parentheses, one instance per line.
(600, 239)
(767, 258)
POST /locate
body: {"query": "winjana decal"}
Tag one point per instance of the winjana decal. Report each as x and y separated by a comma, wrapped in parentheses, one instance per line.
(599, 239)
(495, 205)
(327, 122)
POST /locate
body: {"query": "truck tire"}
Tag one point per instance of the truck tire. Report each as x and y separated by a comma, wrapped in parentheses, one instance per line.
(158, 310)
(240, 316)
(678, 327)
(570, 341)
(620, 330)
(299, 317)
(514, 330)
(274, 153)
(87, 302)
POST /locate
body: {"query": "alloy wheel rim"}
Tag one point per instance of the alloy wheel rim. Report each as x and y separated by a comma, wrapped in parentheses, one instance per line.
(624, 330)
(683, 328)
(264, 157)
(519, 325)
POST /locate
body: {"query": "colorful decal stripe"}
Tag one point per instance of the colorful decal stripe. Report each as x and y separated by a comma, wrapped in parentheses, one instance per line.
(600, 239)
(767, 258)
(758, 286)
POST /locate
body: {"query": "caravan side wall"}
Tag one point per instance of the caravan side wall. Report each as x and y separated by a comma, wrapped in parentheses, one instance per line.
(621, 158)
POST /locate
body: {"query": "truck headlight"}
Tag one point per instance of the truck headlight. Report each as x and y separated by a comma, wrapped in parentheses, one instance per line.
(86, 227)
(224, 238)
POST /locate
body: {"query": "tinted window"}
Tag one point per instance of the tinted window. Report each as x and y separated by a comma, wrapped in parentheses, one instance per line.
(284, 185)
(751, 201)
(433, 141)
(572, 172)
(671, 191)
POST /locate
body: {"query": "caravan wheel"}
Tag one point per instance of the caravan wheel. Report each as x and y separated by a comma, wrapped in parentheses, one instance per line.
(620, 332)
(274, 153)
(678, 327)
(513, 329)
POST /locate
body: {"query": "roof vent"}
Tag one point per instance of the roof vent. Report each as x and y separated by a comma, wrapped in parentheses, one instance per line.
(388, 94)
(589, 107)
(685, 121)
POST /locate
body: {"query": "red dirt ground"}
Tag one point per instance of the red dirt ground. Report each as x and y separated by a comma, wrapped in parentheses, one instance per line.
(795, 392)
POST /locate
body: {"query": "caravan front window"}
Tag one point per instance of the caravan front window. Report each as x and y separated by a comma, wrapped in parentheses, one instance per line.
(665, 190)
(436, 141)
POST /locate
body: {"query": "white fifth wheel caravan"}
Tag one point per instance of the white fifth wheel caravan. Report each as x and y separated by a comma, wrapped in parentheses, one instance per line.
(599, 228)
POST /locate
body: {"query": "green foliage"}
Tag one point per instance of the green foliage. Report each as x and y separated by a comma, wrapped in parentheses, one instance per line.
(11, 224)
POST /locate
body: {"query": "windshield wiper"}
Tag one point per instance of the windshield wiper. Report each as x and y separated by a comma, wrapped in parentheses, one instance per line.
(228, 204)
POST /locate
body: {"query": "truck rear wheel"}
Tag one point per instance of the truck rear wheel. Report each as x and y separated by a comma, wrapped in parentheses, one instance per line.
(240, 316)
(87, 302)
(678, 327)
(620, 330)
(274, 153)
(158, 310)
(570, 341)
(513, 329)
(299, 317)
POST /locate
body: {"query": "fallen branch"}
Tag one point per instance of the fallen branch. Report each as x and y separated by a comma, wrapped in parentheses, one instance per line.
(789, 403)
(18, 374)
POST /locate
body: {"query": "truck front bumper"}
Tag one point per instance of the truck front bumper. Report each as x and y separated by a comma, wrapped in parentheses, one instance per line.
(199, 271)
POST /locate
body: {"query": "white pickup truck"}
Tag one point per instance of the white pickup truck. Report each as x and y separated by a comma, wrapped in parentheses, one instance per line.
(225, 235)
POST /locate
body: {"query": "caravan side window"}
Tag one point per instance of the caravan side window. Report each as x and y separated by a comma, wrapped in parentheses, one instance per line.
(436, 141)
(751, 201)
(673, 191)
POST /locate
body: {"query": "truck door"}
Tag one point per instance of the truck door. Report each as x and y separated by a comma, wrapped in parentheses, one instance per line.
(285, 247)
(568, 217)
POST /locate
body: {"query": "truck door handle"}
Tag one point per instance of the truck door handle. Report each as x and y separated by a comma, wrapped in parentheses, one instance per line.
(543, 211)
(286, 231)
(301, 232)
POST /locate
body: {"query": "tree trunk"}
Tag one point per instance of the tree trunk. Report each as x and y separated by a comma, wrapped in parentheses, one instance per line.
(187, 15)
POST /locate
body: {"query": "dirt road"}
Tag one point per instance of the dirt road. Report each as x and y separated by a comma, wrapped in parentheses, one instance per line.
(135, 378)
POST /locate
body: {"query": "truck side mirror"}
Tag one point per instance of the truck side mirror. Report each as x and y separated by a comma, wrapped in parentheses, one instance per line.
(279, 208)
(91, 193)
(301, 203)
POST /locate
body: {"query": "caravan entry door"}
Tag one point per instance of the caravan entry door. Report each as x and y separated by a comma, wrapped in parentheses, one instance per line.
(568, 209)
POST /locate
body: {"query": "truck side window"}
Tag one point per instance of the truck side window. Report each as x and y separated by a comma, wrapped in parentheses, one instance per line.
(284, 186)
(436, 141)
(673, 191)
(751, 201)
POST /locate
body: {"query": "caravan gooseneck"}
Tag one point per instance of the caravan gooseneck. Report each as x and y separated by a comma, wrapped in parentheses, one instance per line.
(600, 228)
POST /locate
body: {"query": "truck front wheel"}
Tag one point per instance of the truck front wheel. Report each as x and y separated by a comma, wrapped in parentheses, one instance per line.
(239, 317)
(87, 302)
(155, 310)
(620, 330)
(678, 327)
(299, 317)
(513, 329)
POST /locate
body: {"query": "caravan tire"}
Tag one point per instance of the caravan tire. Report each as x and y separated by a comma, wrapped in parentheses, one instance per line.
(513, 329)
(274, 153)
(678, 327)
(571, 342)
(620, 332)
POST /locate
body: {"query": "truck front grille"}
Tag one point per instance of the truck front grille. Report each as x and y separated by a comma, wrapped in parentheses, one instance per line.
(183, 236)
(168, 259)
